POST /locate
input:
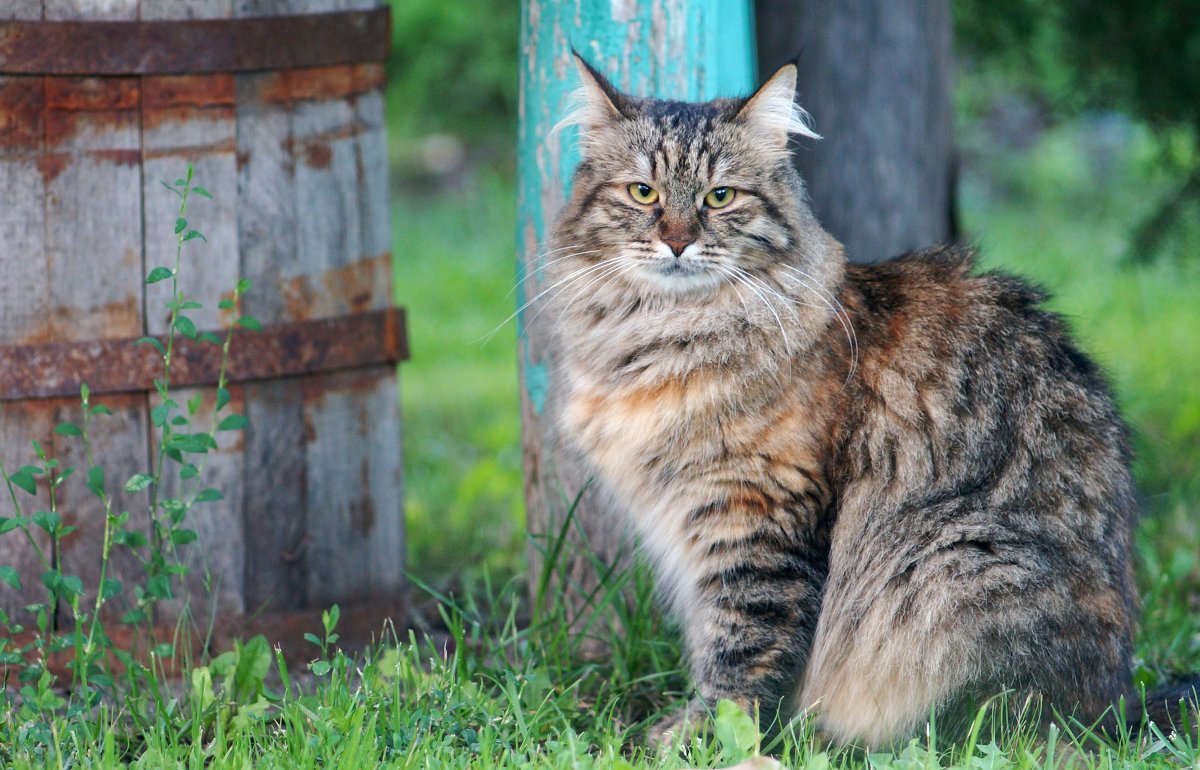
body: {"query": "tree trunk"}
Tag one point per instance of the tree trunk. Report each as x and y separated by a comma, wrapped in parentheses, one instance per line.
(683, 49)
(875, 76)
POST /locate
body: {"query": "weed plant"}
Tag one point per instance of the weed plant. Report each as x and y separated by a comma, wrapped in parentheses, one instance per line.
(71, 621)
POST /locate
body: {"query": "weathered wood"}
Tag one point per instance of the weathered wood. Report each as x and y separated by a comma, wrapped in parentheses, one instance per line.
(875, 75)
(92, 10)
(297, 165)
(20, 10)
(683, 49)
(352, 478)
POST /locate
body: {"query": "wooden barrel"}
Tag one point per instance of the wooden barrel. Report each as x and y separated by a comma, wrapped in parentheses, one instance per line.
(279, 106)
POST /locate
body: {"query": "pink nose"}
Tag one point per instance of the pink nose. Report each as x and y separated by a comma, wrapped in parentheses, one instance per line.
(677, 245)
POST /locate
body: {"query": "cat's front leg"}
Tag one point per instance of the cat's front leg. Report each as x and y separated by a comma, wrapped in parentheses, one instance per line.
(757, 569)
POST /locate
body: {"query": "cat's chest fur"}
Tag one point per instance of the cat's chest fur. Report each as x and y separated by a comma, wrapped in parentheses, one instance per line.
(661, 402)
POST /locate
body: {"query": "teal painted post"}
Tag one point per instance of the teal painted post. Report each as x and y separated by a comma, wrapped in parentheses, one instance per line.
(679, 49)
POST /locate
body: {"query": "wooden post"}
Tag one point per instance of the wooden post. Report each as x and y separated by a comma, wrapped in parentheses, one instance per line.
(681, 49)
(875, 76)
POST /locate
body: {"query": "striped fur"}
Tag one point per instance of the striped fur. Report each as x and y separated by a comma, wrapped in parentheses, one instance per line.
(872, 492)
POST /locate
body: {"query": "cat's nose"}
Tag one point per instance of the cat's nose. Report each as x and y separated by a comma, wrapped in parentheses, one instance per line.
(677, 244)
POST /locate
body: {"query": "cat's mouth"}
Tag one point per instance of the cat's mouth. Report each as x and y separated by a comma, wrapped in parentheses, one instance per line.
(680, 276)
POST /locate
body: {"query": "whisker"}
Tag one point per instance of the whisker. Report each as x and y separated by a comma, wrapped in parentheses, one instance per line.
(839, 311)
(787, 345)
(567, 280)
(540, 268)
(618, 266)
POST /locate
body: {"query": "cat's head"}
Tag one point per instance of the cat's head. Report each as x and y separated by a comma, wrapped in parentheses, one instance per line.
(680, 197)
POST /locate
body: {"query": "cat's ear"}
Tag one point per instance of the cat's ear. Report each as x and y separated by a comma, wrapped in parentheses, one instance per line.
(772, 110)
(595, 104)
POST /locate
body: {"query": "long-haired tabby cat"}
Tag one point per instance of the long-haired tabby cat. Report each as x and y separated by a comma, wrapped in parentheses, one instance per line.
(875, 493)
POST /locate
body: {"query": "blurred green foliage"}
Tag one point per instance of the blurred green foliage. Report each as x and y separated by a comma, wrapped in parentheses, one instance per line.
(1139, 57)
(453, 68)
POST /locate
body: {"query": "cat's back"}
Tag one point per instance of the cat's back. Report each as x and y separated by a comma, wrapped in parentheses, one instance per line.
(972, 401)
(941, 343)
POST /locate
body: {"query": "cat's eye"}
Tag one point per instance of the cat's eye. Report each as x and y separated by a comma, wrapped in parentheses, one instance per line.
(643, 193)
(719, 197)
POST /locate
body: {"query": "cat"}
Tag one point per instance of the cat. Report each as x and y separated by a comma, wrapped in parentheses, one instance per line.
(869, 493)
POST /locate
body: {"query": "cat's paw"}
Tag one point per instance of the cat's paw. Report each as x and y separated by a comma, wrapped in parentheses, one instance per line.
(678, 728)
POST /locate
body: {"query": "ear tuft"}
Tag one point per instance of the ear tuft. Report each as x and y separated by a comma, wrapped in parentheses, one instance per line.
(595, 104)
(773, 111)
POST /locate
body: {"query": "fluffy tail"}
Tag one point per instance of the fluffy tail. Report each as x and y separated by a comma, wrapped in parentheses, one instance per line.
(1172, 707)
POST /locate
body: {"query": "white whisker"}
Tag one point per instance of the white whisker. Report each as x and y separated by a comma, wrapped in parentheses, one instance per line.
(833, 304)
(568, 280)
(743, 276)
(540, 268)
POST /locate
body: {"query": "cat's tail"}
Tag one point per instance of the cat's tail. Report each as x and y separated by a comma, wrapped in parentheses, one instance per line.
(1172, 707)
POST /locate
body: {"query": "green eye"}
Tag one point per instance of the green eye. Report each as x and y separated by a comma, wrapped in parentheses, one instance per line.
(719, 197)
(643, 193)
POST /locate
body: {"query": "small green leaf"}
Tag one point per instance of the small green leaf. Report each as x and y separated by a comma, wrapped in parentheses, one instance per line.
(190, 305)
(222, 398)
(72, 586)
(10, 576)
(95, 480)
(232, 422)
(101, 409)
(130, 618)
(211, 338)
(52, 579)
(37, 449)
(84, 392)
(313, 638)
(189, 471)
(319, 667)
(158, 415)
(735, 730)
(68, 429)
(130, 539)
(225, 304)
(110, 588)
(193, 234)
(49, 521)
(195, 443)
(180, 225)
(137, 482)
(243, 286)
(24, 481)
(158, 274)
(179, 421)
(8, 525)
(186, 327)
(193, 403)
(209, 495)
(201, 192)
(154, 343)
(182, 536)
(249, 322)
(180, 182)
